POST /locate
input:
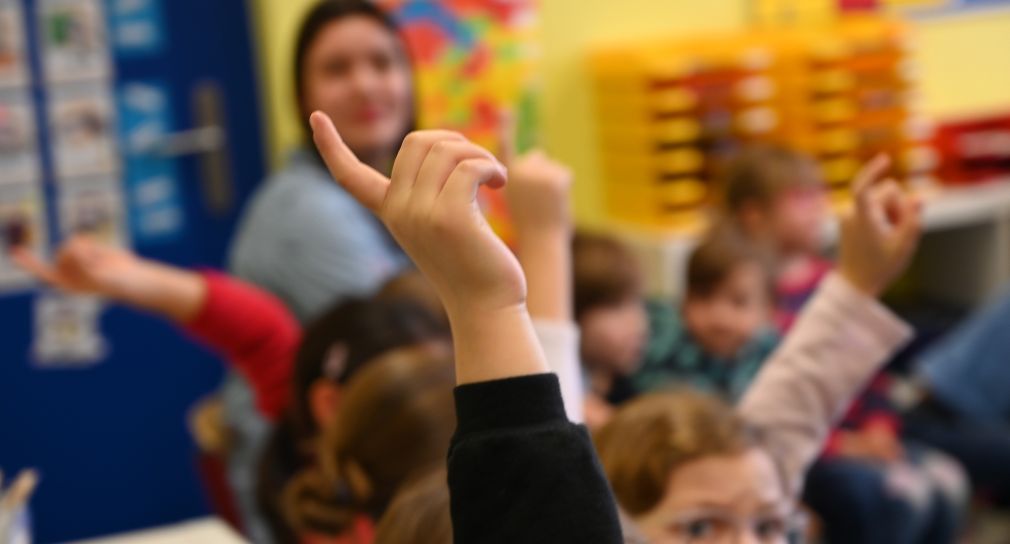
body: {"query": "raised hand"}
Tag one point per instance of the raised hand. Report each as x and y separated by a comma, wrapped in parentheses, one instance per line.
(429, 205)
(538, 193)
(881, 232)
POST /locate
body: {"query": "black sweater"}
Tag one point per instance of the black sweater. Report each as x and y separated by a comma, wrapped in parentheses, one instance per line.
(521, 473)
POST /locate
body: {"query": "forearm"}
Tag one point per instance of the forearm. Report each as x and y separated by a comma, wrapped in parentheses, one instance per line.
(175, 293)
(545, 257)
(839, 342)
(496, 344)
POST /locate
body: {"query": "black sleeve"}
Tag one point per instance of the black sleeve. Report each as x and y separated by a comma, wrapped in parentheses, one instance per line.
(520, 472)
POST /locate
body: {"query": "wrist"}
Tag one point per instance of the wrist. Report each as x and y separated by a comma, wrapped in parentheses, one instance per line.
(494, 343)
(869, 288)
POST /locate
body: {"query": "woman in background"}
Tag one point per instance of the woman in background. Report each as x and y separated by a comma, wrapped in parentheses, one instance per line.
(303, 238)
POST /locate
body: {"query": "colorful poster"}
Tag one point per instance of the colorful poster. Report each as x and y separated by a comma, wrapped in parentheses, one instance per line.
(19, 157)
(22, 224)
(67, 332)
(94, 207)
(83, 130)
(74, 42)
(474, 60)
(476, 64)
(13, 65)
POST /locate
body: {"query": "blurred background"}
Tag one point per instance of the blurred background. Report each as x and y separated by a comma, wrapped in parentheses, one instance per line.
(150, 123)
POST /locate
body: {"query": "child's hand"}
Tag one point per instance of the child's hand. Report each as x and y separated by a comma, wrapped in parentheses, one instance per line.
(86, 267)
(538, 195)
(430, 207)
(83, 266)
(881, 232)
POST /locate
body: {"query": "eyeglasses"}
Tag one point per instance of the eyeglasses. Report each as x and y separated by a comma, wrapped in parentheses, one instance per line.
(714, 527)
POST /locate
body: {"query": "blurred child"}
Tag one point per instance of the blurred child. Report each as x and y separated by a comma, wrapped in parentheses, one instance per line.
(722, 334)
(778, 200)
(867, 488)
(395, 425)
(611, 313)
(296, 380)
(687, 468)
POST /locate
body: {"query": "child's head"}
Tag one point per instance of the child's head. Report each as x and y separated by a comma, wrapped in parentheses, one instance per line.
(777, 197)
(337, 344)
(395, 423)
(686, 468)
(608, 303)
(334, 347)
(729, 293)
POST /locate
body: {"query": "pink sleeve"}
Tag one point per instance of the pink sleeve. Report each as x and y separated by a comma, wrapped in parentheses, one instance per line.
(837, 345)
(254, 333)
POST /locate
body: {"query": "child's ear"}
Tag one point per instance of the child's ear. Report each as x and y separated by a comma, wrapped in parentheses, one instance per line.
(324, 400)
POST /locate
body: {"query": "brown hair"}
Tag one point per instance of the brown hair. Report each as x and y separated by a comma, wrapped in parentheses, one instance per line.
(656, 434)
(723, 250)
(419, 514)
(606, 272)
(395, 423)
(758, 174)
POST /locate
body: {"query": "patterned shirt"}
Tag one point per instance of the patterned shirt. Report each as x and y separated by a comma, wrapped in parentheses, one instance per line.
(674, 358)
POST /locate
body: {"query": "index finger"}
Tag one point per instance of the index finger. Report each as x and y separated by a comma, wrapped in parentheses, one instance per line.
(868, 176)
(364, 183)
(30, 263)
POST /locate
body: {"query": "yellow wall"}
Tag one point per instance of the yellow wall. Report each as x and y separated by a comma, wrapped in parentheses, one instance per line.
(954, 78)
(965, 61)
(277, 25)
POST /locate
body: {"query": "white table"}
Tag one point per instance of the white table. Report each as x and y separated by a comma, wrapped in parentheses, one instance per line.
(200, 531)
(964, 257)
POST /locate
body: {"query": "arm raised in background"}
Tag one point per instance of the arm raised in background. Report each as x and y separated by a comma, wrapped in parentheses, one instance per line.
(515, 457)
(845, 334)
(539, 200)
(248, 327)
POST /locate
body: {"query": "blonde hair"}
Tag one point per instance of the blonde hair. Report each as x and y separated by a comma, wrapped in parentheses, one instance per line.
(394, 423)
(653, 436)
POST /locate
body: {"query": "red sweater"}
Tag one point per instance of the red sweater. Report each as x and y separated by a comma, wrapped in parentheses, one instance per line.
(255, 334)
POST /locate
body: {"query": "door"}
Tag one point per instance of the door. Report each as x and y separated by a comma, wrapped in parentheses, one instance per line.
(142, 117)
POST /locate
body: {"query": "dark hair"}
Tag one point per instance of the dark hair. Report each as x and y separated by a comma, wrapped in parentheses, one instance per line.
(318, 18)
(758, 174)
(363, 329)
(606, 273)
(720, 253)
(394, 425)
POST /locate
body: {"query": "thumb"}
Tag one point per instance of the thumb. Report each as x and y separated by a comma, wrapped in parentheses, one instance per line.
(362, 181)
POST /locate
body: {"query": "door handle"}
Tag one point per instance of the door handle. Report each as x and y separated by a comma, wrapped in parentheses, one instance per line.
(188, 142)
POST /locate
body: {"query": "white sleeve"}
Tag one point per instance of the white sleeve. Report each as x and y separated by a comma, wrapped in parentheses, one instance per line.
(837, 345)
(560, 341)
